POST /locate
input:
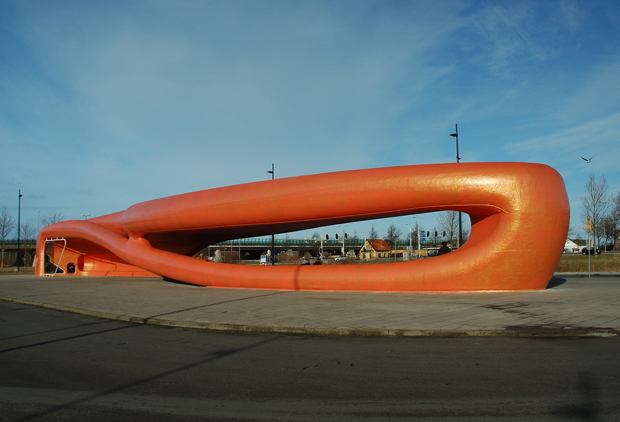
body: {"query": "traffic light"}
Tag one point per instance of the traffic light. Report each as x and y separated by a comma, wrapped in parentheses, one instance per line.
(326, 237)
(435, 233)
(444, 234)
(346, 236)
(428, 234)
(336, 236)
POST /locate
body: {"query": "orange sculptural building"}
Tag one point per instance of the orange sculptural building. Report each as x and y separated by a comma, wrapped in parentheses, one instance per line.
(519, 214)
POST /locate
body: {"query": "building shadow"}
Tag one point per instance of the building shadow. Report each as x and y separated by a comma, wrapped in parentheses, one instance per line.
(173, 281)
(555, 282)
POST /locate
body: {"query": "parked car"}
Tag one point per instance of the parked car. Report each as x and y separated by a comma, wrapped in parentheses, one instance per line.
(591, 251)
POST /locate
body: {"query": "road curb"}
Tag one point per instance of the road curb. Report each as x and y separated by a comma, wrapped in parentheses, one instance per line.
(522, 332)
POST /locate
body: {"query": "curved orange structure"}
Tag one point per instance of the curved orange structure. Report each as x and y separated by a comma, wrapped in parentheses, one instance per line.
(519, 214)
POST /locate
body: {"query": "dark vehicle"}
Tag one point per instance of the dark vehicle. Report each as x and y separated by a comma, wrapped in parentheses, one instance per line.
(591, 251)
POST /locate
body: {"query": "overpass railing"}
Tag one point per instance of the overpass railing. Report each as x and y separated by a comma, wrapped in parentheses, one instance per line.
(311, 243)
(22, 242)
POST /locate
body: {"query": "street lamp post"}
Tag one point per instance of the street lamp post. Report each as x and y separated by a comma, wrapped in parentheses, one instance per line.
(273, 237)
(417, 223)
(419, 246)
(410, 245)
(18, 260)
(458, 160)
(344, 236)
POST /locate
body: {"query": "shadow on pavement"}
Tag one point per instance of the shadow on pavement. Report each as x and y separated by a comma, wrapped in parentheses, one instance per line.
(555, 282)
(220, 354)
(588, 408)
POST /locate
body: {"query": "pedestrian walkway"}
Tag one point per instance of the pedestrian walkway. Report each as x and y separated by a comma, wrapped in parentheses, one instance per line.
(572, 305)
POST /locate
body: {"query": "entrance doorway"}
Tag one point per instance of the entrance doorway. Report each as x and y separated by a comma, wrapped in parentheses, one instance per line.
(52, 246)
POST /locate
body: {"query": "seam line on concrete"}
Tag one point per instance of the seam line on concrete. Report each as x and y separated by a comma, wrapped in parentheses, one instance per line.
(536, 332)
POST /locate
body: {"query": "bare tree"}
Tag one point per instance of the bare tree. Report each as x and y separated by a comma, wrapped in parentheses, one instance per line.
(52, 218)
(616, 210)
(414, 234)
(596, 202)
(466, 232)
(393, 233)
(27, 233)
(373, 233)
(448, 222)
(616, 217)
(610, 227)
(7, 225)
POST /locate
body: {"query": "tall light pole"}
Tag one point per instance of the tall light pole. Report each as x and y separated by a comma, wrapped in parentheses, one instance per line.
(18, 260)
(458, 160)
(273, 237)
(417, 223)
(344, 236)
(410, 245)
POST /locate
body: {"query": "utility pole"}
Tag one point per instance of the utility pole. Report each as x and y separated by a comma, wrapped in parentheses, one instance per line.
(273, 237)
(458, 160)
(18, 260)
(589, 245)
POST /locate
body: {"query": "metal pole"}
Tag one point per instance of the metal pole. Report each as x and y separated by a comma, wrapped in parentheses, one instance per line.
(589, 256)
(395, 248)
(410, 245)
(321, 250)
(419, 249)
(588, 245)
(19, 229)
(458, 160)
(273, 237)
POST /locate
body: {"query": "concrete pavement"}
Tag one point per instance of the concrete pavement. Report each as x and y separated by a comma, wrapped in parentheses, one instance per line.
(572, 305)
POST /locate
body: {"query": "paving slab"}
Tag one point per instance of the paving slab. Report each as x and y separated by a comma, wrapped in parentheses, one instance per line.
(573, 305)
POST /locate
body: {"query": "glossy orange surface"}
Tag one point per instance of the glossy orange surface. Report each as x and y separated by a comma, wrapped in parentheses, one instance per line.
(519, 214)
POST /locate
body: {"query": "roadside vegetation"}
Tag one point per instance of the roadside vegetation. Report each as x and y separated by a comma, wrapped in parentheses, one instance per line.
(579, 263)
(11, 271)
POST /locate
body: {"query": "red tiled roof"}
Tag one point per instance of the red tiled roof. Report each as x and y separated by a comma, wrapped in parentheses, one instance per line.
(379, 245)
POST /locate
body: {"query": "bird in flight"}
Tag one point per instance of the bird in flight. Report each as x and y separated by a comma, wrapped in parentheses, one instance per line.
(586, 160)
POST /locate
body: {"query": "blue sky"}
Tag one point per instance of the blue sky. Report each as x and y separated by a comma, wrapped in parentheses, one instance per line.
(107, 104)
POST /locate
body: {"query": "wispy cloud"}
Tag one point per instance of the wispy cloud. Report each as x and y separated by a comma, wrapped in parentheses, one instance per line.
(510, 36)
(597, 138)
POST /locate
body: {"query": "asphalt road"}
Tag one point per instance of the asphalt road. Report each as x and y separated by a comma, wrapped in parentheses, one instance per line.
(57, 366)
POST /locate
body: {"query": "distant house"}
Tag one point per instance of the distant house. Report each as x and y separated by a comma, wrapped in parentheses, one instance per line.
(375, 248)
(574, 245)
